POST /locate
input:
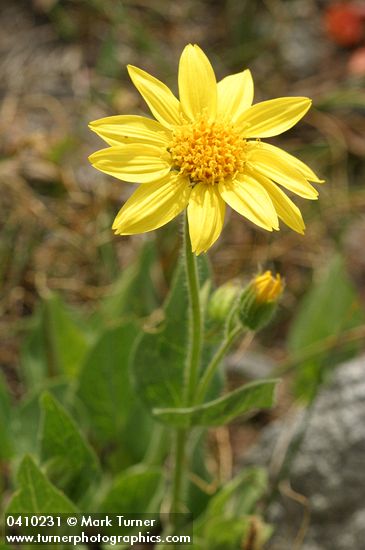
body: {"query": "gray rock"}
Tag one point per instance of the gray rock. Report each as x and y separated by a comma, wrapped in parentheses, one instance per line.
(322, 499)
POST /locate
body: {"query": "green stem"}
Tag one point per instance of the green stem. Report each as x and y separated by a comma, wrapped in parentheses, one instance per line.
(214, 363)
(231, 321)
(192, 365)
(157, 447)
(180, 437)
(195, 321)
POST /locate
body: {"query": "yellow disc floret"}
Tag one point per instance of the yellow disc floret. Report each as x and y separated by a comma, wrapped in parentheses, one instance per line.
(207, 152)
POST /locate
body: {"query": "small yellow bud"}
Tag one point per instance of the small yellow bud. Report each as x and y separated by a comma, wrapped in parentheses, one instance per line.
(259, 300)
(267, 287)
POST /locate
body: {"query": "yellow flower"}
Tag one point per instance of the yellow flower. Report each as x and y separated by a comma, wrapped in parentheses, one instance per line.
(204, 152)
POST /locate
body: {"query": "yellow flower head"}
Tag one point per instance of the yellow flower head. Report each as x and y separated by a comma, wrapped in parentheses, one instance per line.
(267, 288)
(202, 152)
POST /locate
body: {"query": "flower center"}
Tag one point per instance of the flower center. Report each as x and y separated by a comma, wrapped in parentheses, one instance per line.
(207, 152)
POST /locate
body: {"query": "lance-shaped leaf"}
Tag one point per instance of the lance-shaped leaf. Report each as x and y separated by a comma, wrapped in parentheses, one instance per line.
(36, 494)
(329, 309)
(240, 495)
(158, 362)
(226, 533)
(234, 505)
(71, 463)
(159, 358)
(55, 346)
(104, 387)
(25, 420)
(231, 533)
(134, 491)
(253, 396)
(133, 294)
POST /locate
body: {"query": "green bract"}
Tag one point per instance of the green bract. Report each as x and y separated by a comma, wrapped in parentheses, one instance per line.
(253, 314)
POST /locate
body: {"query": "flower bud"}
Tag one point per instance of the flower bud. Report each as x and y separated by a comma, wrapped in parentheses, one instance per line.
(222, 301)
(259, 300)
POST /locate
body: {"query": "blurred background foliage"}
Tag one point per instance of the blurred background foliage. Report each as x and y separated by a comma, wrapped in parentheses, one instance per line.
(67, 282)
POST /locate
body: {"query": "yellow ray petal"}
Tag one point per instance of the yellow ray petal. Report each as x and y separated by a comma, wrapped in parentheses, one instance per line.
(250, 199)
(287, 211)
(235, 95)
(272, 166)
(294, 162)
(133, 163)
(160, 99)
(206, 212)
(197, 84)
(131, 129)
(153, 205)
(272, 117)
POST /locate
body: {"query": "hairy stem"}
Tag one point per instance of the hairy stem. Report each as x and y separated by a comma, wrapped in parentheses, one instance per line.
(192, 365)
(195, 320)
(214, 363)
(180, 439)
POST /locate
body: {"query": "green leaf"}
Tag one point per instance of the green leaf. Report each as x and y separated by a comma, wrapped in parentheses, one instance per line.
(198, 498)
(235, 503)
(70, 461)
(36, 494)
(133, 294)
(226, 533)
(113, 415)
(138, 431)
(67, 343)
(222, 533)
(330, 308)
(56, 345)
(205, 271)
(157, 365)
(136, 491)
(240, 495)
(6, 445)
(33, 357)
(158, 362)
(26, 418)
(256, 395)
(104, 386)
